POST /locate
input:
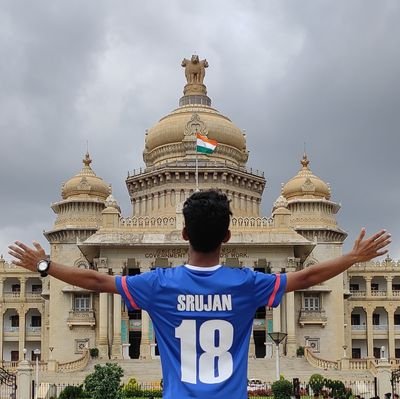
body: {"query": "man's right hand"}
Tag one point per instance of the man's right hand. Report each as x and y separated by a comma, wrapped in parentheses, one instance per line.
(25, 256)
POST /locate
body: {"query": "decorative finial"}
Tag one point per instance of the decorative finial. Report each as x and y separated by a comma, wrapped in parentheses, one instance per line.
(87, 161)
(305, 162)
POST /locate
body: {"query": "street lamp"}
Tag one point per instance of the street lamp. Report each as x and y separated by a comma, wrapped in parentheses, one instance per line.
(277, 337)
(37, 354)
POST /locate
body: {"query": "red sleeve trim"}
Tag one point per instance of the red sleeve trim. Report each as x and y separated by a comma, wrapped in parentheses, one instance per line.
(276, 288)
(128, 294)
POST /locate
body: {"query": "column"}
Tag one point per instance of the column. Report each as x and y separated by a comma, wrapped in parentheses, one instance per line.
(389, 289)
(24, 379)
(252, 345)
(21, 337)
(22, 282)
(370, 333)
(1, 330)
(103, 326)
(116, 351)
(290, 324)
(1, 287)
(145, 341)
(276, 319)
(368, 286)
(391, 340)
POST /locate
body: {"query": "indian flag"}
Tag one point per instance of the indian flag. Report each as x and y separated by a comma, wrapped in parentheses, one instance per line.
(205, 145)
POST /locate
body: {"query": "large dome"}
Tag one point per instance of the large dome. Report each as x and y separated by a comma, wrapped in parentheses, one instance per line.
(305, 184)
(85, 184)
(173, 138)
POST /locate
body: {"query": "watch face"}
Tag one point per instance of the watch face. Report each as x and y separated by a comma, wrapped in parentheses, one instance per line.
(42, 265)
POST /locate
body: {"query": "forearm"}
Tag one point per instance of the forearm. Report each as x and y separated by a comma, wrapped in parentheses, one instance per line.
(84, 278)
(321, 272)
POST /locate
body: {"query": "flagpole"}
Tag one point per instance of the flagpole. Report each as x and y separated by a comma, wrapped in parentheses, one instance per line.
(197, 174)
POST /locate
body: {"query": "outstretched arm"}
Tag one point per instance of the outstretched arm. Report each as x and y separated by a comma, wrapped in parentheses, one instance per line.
(363, 250)
(28, 258)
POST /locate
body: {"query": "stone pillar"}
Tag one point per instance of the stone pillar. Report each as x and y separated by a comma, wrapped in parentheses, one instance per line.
(1, 330)
(145, 352)
(103, 326)
(116, 351)
(1, 287)
(24, 380)
(252, 345)
(389, 289)
(22, 282)
(368, 286)
(370, 333)
(21, 336)
(391, 339)
(383, 375)
(276, 319)
(290, 324)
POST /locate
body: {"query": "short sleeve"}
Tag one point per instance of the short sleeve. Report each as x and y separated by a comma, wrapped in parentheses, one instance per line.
(137, 290)
(269, 288)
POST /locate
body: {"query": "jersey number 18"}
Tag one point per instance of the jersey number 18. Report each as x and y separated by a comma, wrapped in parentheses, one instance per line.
(215, 363)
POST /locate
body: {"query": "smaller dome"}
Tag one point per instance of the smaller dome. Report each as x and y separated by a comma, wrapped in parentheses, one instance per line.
(111, 202)
(85, 184)
(305, 184)
(281, 202)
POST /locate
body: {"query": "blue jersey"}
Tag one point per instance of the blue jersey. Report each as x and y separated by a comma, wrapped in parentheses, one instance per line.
(203, 319)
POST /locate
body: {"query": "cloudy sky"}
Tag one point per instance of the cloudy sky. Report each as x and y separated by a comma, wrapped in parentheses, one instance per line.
(324, 73)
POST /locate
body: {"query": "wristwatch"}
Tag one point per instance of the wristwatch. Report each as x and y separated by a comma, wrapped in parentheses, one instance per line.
(43, 267)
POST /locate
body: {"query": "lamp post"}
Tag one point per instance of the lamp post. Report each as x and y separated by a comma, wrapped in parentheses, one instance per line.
(37, 354)
(277, 337)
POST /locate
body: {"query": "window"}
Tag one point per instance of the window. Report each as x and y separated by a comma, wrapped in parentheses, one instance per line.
(15, 288)
(354, 287)
(374, 287)
(311, 302)
(376, 319)
(82, 303)
(37, 288)
(36, 321)
(397, 319)
(377, 353)
(397, 353)
(396, 287)
(356, 353)
(355, 320)
(14, 320)
(14, 356)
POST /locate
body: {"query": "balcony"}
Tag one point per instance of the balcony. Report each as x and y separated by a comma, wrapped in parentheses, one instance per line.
(380, 327)
(11, 296)
(358, 327)
(379, 293)
(33, 331)
(34, 296)
(308, 317)
(358, 293)
(81, 318)
(10, 332)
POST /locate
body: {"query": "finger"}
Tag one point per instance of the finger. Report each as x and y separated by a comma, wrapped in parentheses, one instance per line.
(360, 237)
(382, 238)
(16, 249)
(377, 235)
(23, 246)
(17, 263)
(15, 254)
(37, 245)
(379, 253)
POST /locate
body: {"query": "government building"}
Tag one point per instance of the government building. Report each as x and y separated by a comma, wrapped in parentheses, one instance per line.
(352, 316)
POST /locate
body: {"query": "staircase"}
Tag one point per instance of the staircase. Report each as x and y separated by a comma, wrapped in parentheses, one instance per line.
(263, 369)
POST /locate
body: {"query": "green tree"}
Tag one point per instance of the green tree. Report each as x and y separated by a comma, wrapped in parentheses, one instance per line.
(282, 389)
(316, 383)
(72, 392)
(104, 382)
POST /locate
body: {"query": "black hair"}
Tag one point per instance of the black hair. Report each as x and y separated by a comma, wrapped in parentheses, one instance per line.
(207, 217)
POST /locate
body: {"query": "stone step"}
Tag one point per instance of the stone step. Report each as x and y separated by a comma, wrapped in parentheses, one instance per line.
(147, 371)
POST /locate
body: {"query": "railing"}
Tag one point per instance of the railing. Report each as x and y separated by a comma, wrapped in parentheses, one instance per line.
(201, 164)
(32, 296)
(308, 316)
(358, 364)
(9, 365)
(358, 327)
(318, 362)
(380, 327)
(148, 221)
(34, 330)
(396, 293)
(74, 365)
(81, 318)
(11, 329)
(243, 222)
(357, 293)
(378, 293)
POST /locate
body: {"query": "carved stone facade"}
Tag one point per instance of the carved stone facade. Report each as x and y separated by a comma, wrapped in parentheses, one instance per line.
(89, 231)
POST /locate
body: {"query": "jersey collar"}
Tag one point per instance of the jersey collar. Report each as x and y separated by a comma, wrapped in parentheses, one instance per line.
(203, 269)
